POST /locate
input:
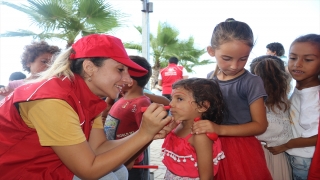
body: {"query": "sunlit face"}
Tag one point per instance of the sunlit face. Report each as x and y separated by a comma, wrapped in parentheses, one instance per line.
(304, 64)
(269, 52)
(231, 58)
(40, 63)
(108, 80)
(183, 106)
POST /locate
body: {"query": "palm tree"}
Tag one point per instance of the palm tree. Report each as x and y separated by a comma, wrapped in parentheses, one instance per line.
(166, 44)
(66, 19)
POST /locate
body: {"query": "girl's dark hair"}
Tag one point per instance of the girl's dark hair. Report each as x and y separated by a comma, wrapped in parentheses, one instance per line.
(76, 65)
(312, 38)
(232, 30)
(34, 50)
(205, 90)
(275, 79)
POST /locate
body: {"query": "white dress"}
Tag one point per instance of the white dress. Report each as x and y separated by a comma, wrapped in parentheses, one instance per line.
(279, 131)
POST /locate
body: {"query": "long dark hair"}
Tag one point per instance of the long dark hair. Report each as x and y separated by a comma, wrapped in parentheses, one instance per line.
(272, 72)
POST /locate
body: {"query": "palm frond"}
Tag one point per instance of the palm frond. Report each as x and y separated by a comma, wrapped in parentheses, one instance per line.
(66, 19)
(132, 45)
(18, 33)
(139, 28)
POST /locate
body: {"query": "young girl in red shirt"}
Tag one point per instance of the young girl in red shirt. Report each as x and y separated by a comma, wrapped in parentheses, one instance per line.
(188, 156)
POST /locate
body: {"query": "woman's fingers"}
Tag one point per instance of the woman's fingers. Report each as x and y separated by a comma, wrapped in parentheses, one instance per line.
(154, 119)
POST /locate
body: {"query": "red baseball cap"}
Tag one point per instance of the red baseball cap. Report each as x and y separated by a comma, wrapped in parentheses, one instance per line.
(102, 45)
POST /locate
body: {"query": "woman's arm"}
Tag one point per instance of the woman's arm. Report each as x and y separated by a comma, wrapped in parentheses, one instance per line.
(94, 159)
(257, 126)
(294, 143)
(203, 146)
(84, 163)
(131, 161)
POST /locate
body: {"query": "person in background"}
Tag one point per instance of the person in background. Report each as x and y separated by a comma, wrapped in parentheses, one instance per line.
(188, 156)
(17, 76)
(304, 66)
(157, 90)
(35, 59)
(244, 94)
(51, 128)
(272, 72)
(153, 97)
(14, 76)
(275, 49)
(125, 116)
(170, 75)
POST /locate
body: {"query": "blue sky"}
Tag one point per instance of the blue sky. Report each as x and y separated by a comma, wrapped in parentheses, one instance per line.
(271, 21)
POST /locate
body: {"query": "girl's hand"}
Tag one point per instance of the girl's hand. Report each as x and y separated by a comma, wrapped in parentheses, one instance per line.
(166, 129)
(153, 120)
(204, 126)
(277, 149)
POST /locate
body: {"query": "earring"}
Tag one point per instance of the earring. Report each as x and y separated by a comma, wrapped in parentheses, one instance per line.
(89, 79)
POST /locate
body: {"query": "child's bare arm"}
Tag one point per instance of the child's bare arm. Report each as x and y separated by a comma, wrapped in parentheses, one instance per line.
(203, 146)
(294, 143)
(258, 125)
(105, 113)
(158, 99)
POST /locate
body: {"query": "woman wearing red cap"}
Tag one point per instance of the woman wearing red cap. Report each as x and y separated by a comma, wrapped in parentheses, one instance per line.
(51, 128)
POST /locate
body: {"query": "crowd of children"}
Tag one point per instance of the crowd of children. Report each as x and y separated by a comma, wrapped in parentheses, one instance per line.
(263, 134)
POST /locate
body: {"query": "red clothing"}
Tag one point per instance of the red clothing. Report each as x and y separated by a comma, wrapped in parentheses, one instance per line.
(21, 155)
(124, 118)
(244, 159)
(314, 170)
(170, 75)
(181, 159)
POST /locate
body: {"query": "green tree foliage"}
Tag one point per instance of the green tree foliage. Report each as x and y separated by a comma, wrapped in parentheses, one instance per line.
(67, 19)
(165, 45)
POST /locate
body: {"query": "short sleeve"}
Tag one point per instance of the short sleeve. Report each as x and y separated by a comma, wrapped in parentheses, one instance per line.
(143, 102)
(255, 89)
(14, 84)
(309, 113)
(55, 121)
(160, 77)
(97, 122)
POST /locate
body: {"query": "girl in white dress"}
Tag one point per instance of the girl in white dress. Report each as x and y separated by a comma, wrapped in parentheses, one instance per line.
(272, 71)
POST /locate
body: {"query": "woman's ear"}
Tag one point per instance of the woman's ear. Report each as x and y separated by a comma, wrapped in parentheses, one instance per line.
(88, 67)
(210, 51)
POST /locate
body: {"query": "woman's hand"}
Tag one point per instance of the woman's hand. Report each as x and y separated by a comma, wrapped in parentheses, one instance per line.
(204, 126)
(154, 120)
(166, 129)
